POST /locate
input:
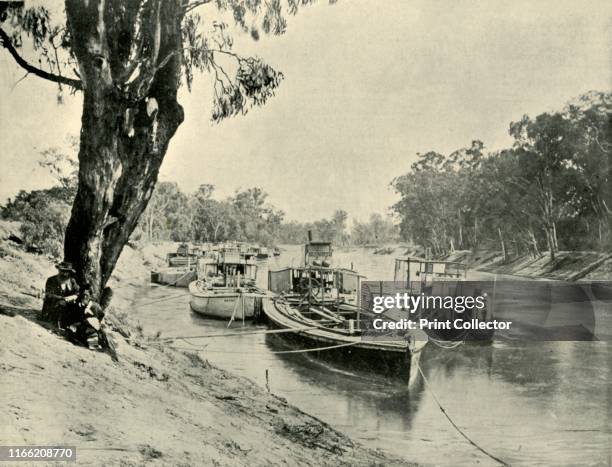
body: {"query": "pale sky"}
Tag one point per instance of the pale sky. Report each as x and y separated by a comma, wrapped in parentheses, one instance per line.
(368, 84)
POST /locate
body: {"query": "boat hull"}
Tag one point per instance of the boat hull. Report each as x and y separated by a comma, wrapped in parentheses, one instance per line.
(181, 261)
(223, 302)
(176, 277)
(393, 361)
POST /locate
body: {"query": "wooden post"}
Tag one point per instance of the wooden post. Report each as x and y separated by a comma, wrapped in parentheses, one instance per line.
(233, 312)
(243, 308)
(503, 245)
(309, 286)
(358, 302)
(491, 310)
(338, 290)
(322, 288)
(408, 275)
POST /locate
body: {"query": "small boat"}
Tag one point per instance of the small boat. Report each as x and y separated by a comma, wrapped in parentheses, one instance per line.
(174, 276)
(443, 278)
(322, 304)
(180, 270)
(225, 287)
(263, 253)
(250, 250)
(183, 257)
(276, 251)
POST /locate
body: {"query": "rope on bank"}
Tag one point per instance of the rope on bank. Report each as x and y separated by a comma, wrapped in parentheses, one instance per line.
(194, 346)
(443, 410)
(275, 352)
(240, 333)
(173, 296)
(125, 281)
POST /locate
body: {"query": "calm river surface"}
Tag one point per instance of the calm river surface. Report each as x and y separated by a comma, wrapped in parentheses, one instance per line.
(528, 403)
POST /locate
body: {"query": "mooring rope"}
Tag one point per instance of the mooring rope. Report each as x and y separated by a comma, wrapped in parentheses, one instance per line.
(459, 430)
(240, 333)
(275, 352)
(125, 281)
(446, 344)
(199, 347)
(316, 349)
(173, 296)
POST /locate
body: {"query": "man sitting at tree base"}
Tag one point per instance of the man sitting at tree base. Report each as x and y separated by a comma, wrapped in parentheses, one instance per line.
(75, 311)
(61, 293)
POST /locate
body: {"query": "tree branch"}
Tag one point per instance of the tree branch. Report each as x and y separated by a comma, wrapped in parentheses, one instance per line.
(194, 5)
(5, 41)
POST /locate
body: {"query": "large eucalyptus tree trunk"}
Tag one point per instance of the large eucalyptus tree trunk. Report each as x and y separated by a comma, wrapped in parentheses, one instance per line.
(129, 56)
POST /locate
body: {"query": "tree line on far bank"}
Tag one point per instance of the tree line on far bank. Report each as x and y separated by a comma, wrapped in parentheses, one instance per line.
(175, 215)
(247, 216)
(549, 192)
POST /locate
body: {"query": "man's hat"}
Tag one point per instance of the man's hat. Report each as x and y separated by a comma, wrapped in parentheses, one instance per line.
(65, 266)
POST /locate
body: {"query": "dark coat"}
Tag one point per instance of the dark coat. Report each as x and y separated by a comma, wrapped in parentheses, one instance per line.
(54, 306)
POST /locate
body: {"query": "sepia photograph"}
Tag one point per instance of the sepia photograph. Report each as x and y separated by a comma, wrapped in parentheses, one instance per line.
(306, 233)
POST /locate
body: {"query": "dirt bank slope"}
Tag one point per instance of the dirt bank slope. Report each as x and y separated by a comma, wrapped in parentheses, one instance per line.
(157, 406)
(568, 265)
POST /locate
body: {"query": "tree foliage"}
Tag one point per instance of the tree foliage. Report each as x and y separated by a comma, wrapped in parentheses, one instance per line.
(378, 230)
(44, 214)
(550, 191)
(199, 217)
(239, 82)
(333, 230)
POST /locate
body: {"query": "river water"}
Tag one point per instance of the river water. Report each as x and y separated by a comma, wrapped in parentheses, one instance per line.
(527, 403)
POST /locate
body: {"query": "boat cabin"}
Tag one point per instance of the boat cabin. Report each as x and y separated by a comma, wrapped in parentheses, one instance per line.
(318, 253)
(330, 295)
(316, 281)
(418, 273)
(446, 279)
(229, 268)
(183, 257)
(317, 286)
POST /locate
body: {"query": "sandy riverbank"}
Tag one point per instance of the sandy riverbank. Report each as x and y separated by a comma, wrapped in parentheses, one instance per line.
(156, 406)
(568, 265)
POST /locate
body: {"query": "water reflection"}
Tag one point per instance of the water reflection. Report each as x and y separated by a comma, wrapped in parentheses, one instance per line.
(474, 355)
(367, 395)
